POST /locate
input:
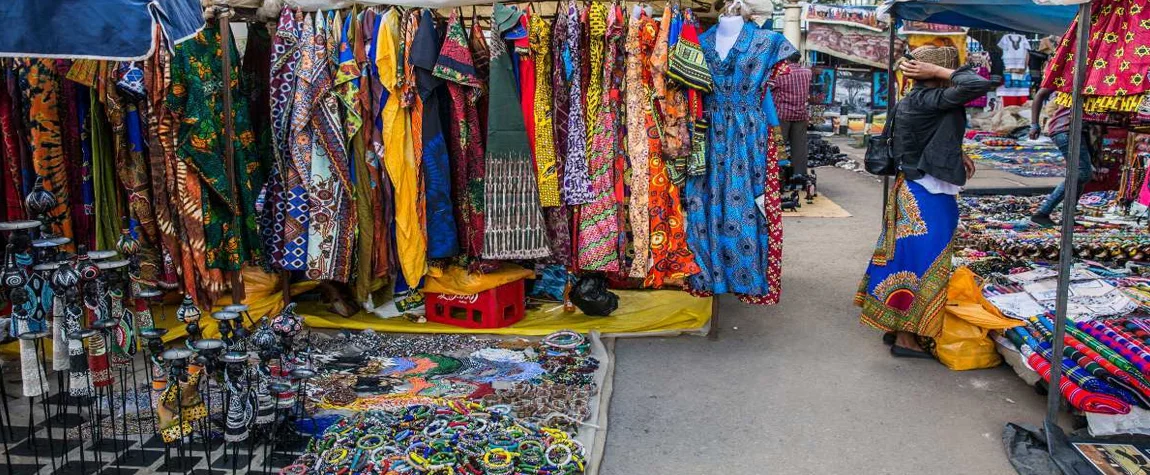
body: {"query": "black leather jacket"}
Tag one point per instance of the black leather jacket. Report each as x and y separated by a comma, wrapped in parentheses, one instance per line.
(929, 124)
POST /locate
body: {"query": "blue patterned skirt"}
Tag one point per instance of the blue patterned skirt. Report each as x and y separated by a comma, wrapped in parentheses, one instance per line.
(904, 288)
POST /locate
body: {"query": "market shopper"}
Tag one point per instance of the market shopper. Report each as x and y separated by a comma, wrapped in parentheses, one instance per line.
(1058, 129)
(904, 289)
(792, 92)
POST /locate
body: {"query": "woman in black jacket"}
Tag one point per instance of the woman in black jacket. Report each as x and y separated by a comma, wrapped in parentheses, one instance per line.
(904, 289)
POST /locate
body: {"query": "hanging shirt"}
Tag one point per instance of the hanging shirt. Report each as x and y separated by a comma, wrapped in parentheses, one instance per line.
(1015, 51)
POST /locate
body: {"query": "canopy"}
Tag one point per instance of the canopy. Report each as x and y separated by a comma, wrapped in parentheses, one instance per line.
(1003, 15)
(95, 29)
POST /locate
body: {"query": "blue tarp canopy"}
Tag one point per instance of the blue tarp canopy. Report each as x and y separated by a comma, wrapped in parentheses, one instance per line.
(96, 29)
(1004, 15)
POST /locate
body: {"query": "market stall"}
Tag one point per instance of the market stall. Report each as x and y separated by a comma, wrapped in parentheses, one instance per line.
(1075, 295)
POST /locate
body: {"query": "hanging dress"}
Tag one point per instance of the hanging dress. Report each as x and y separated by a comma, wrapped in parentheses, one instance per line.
(638, 97)
(41, 84)
(671, 258)
(456, 65)
(738, 249)
(399, 155)
(599, 219)
(514, 221)
(543, 143)
(559, 217)
(442, 239)
(576, 182)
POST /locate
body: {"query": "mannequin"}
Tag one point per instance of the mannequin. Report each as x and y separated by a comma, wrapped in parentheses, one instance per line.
(727, 34)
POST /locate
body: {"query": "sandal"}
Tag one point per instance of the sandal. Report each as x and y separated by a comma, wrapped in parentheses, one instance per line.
(901, 352)
(888, 338)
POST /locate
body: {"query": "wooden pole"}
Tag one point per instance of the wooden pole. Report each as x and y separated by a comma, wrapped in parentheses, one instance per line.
(223, 14)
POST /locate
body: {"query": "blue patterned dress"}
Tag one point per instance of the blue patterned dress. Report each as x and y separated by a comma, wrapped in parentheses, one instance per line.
(737, 247)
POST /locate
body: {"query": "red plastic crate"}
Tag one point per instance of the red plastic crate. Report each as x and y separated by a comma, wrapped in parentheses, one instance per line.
(493, 308)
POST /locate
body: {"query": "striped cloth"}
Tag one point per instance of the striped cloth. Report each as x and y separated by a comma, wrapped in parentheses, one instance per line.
(1078, 397)
(1129, 381)
(791, 93)
(1128, 349)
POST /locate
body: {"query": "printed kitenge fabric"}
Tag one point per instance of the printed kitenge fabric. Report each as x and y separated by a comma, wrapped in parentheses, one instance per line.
(514, 220)
(738, 248)
(599, 219)
(287, 192)
(1117, 58)
(559, 217)
(456, 65)
(544, 143)
(576, 182)
(638, 100)
(229, 221)
(442, 240)
(904, 288)
(672, 260)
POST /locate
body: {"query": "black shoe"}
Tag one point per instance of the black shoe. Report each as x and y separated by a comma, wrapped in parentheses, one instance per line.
(900, 352)
(1042, 220)
(888, 338)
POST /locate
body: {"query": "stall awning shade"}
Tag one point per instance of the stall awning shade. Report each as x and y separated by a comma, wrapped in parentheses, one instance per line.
(1003, 15)
(96, 29)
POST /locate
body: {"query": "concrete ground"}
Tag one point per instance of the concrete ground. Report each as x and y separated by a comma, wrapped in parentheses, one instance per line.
(803, 387)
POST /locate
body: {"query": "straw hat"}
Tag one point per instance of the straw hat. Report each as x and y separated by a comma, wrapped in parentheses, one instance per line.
(944, 56)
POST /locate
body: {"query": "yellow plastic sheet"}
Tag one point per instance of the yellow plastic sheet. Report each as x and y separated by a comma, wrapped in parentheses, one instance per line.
(964, 343)
(457, 281)
(641, 312)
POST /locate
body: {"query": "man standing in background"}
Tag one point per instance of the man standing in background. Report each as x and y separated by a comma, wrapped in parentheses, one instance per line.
(1058, 129)
(792, 92)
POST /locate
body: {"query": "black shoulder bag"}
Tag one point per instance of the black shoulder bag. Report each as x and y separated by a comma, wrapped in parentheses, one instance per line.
(880, 158)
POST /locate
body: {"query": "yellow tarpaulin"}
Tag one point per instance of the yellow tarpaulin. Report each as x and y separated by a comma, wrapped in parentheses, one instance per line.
(640, 312)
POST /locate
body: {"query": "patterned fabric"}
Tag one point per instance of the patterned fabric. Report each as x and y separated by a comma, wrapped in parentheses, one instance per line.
(638, 98)
(686, 62)
(599, 219)
(456, 65)
(672, 260)
(904, 288)
(381, 191)
(161, 160)
(559, 218)
(576, 181)
(1096, 364)
(514, 225)
(442, 240)
(40, 83)
(1129, 350)
(286, 239)
(1075, 395)
(672, 102)
(136, 181)
(13, 184)
(229, 225)
(482, 58)
(399, 155)
(791, 91)
(540, 38)
(1117, 58)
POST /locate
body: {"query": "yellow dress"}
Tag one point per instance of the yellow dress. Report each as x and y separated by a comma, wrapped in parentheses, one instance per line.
(399, 156)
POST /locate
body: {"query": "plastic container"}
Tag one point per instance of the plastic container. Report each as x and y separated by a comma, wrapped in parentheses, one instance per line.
(493, 308)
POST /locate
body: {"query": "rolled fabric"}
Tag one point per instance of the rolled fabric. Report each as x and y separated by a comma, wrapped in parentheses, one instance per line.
(1110, 355)
(1128, 349)
(1080, 398)
(1115, 386)
(1071, 370)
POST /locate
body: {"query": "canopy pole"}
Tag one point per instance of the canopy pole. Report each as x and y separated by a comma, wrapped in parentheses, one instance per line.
(1057, 444)
(223, 14)
(890, 100)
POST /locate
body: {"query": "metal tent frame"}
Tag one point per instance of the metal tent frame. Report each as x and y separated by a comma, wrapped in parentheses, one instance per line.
(1058, 445)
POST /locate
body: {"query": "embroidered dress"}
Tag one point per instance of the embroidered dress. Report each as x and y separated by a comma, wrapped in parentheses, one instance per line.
(399, 155)
(904, 288)
(456, 65)
(442, 240)
(638, 96)
(672, 260)
(599, 219)
(514, 226)
(739, 249)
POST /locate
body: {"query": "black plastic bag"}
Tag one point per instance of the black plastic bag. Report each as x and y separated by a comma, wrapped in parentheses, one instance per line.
(590, 294)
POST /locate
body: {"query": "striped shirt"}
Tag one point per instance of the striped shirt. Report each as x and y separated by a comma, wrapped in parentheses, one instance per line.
(792, 91)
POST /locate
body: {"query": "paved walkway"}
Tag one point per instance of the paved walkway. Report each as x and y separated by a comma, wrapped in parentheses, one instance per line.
(802, 387)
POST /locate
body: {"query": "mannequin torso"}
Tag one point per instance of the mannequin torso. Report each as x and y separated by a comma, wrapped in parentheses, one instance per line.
(727, 33)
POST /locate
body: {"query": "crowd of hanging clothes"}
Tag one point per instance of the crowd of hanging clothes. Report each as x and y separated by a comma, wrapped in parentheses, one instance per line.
(372, 143)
